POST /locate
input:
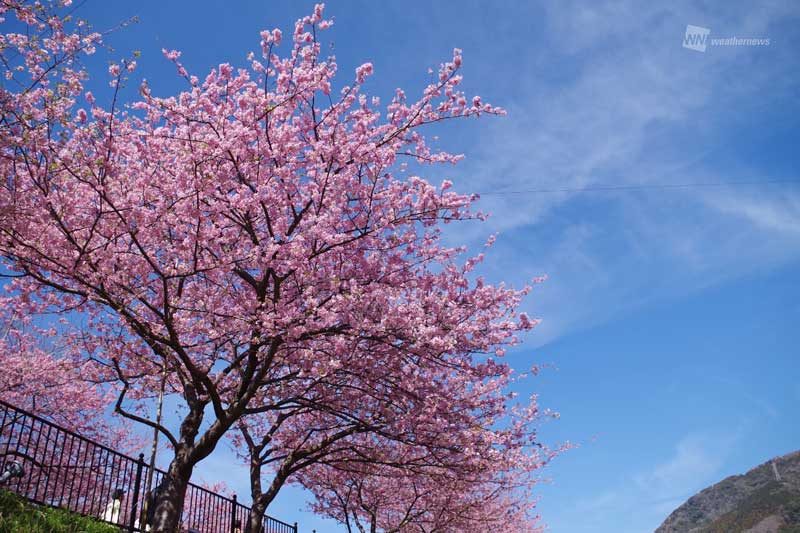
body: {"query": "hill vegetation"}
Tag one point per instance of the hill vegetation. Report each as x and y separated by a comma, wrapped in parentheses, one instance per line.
(764, 500)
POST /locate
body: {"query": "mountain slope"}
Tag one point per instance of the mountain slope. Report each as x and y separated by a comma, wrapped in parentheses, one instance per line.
(764, 500)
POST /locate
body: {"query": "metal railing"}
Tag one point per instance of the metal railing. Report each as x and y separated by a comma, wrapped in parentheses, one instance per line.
(50, 465)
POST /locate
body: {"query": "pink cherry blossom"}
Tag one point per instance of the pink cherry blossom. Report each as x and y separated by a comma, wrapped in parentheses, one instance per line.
(255, 239)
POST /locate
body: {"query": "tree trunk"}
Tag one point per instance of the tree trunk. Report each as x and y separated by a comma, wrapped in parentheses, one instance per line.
(170, 497)
(261, 500)
(259, 507)
(171, 492)
(257, 517)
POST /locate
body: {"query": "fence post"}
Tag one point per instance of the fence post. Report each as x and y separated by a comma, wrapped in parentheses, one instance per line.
(136, 488)
(233, 515)
(295, 527)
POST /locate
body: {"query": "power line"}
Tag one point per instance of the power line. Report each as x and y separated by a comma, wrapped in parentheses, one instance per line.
(641, 187)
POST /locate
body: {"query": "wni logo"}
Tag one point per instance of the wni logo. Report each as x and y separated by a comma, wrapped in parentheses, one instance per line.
(696, 38)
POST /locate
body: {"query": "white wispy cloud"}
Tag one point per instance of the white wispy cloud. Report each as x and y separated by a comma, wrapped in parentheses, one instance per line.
(632, 107)
(696, 459)
(643, 499)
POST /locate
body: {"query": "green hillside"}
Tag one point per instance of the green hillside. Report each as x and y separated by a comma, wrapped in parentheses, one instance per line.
(771, 506)
(764, 500)
(19, 516)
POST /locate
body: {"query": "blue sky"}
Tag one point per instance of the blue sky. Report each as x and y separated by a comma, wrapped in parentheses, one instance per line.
(669, 315)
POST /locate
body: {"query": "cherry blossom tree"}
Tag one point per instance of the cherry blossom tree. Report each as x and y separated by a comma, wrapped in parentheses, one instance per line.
(36, 378)
(453, 422)
(37, 372)
(252, 234)
(469, 463)
(396, 500)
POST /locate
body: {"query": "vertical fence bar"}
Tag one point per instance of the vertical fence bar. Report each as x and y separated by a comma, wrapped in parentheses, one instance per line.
(26, 449)
(51, 487)
(233, 515)
(86, 508)
(137, 485)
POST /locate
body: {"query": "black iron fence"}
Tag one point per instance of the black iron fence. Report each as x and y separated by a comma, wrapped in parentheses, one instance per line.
(49, 465)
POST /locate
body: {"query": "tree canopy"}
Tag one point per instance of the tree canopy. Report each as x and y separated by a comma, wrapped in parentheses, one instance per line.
(259, 235)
